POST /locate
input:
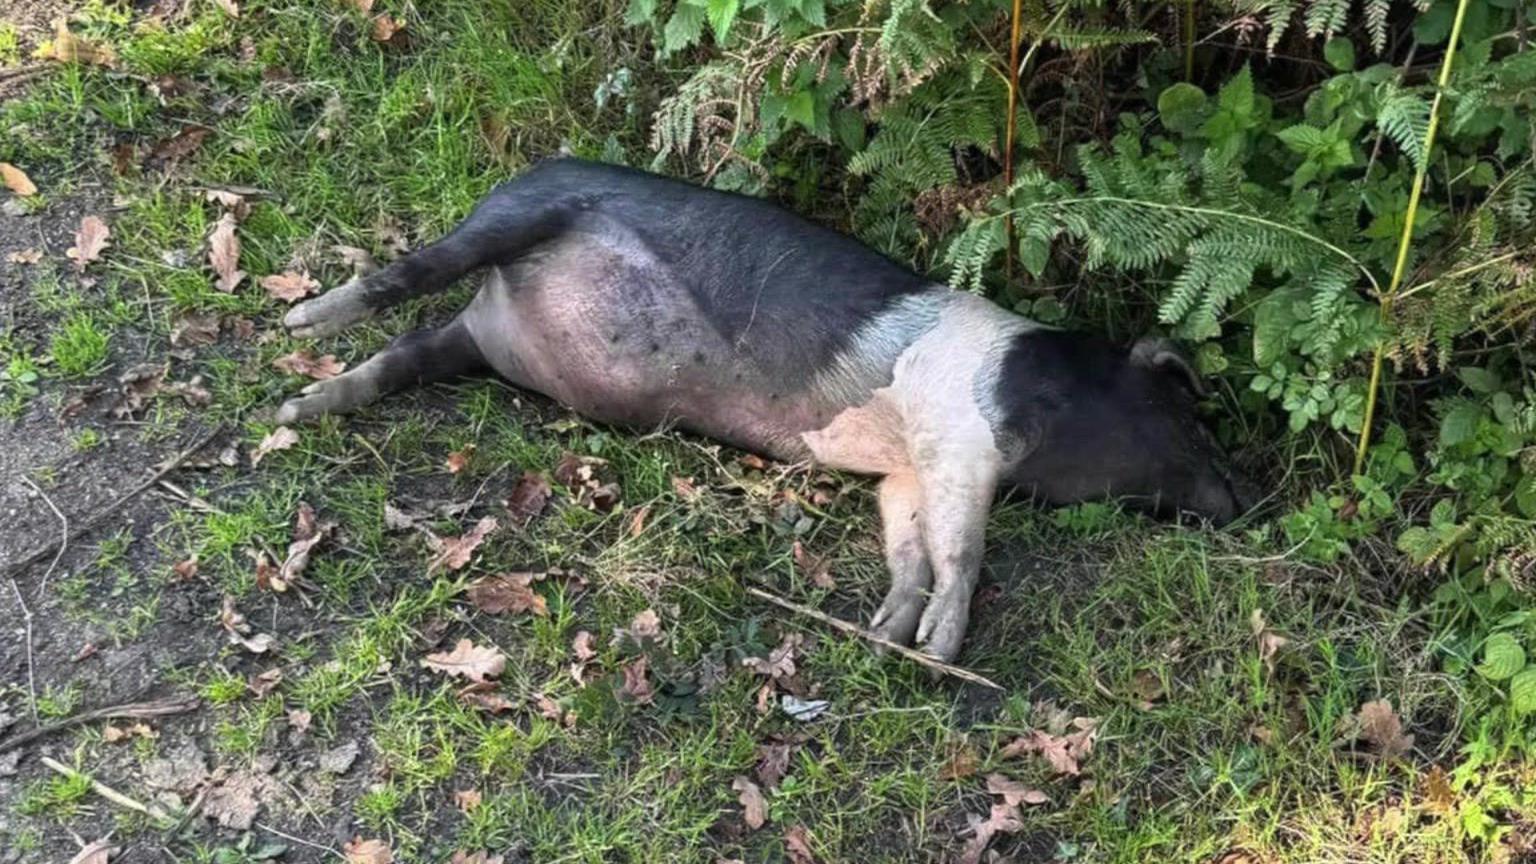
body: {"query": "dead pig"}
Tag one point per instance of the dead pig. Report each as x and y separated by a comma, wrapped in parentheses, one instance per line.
(644, 301)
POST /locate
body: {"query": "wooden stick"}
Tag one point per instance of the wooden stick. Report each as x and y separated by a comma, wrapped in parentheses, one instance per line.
(152, 810)
(42, 585)
(135, 710)
(917, 657)
(42, 552)
(26, 618)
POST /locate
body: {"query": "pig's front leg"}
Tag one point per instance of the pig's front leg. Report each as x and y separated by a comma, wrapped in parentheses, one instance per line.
(957, 494)
(905, 556)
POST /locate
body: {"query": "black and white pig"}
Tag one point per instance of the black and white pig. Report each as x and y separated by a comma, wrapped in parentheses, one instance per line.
(648, 302)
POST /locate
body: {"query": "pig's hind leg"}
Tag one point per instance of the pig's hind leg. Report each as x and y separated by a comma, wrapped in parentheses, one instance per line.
(504, 227)
(905, 556)
(418, 357)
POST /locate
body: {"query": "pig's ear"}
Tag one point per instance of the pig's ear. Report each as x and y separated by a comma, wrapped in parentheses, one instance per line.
(1154, 352)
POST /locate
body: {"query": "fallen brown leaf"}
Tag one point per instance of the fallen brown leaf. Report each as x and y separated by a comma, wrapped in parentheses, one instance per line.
(507, 592)
(754, 808)
(582, 645)
(139, 384)
(299, 720)
(528, 498)
(307, 533)
(66, 47)
(637, 520)
(773, 761)
(458, 460)
(962, 763)
(191, 329)
(113, 734)
(224, 254)
(186, 570)
(1269, 641)
(385, 28)
(97, 852)
(240, 631)
(17, 180)
(1014, 793)
(797, 844)
(181, 145)
(468, 661)
(478, 857)
(815, 567)
(1004, 819)
(364, 6)
(1063, 752)
(280, 438)
(360, 851)
(1439, 795)
(637, 686)
(289, 286)
(466, 799)
(230, 7)
(780, 662)
(265, 682)
(1381, 727)
(455, 552)
(304, 362)
(485, 697)
(92, 237)
(25, 256)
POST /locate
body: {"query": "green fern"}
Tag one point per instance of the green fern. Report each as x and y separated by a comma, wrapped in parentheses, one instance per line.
(1404, 117)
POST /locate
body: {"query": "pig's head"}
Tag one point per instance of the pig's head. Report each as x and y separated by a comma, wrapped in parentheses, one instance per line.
(1093, 421)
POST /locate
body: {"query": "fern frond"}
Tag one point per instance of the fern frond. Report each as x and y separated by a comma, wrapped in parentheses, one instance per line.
(1404, 116)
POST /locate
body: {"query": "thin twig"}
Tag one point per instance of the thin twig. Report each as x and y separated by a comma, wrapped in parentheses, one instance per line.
(299, 840)
(917, 657)
(134, 710)
(26, 617)
(152, 810)
(63, 535)
(90, 521)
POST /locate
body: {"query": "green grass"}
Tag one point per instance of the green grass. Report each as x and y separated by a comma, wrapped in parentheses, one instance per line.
(1229, 753)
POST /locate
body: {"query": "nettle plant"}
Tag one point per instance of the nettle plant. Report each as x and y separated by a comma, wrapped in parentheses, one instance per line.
(1246, 169)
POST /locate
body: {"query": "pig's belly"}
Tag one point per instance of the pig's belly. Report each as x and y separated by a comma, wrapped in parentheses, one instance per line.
(625, 345)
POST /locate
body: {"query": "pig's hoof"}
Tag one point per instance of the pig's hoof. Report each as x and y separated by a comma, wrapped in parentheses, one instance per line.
(896, 619)
(943, 628)
(331, 396)
(330, 313)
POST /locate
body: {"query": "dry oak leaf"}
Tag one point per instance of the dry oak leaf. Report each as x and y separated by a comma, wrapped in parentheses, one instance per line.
(92, 237)
(636, 685)
(304, 362)
(289, 286)
(780, 662)
(815, 567)
(66, 47)
(458, 460)
(582, 646)
(962, 763)
(797, 844)
(25, 256)
(454, 552)
(478, 857)
(224, 254)
(1269, 641)
(307, 533)
(1063, 752)
(485, 697)
(235, 624)
(528, 498)
(1014, 793)
(186, 570)
(466, 799)
(360, 851)
(17, 180)
(468, 661)
(265, 682)
(195, 328)
(1381, 727)
(1004, 819)
(280, 438)
(181, 145)
(98, 852)
(507, 592)
(753, 806)
(385, 28)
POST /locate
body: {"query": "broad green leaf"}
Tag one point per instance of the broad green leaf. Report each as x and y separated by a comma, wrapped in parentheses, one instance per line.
(1340, 53)
(1502, 657)
(683, 29)
(1478, 378)
(1459, 424)
(1522, 691)
(1303, 139)
(721, 14)
(801, 108)
(639, 11)
(1180, 107)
